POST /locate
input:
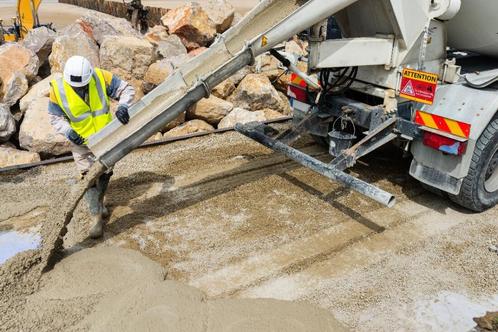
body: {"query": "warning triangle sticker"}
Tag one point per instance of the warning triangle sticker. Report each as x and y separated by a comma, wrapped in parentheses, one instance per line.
(408, 89)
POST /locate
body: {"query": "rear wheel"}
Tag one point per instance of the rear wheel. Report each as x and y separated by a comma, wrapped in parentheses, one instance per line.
(479, 190)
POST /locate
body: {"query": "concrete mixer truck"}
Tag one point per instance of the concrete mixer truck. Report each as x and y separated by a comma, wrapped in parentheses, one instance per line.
(419, 73)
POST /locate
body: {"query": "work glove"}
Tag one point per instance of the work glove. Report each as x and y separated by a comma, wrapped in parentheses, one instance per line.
(75, 137)
(122, 114)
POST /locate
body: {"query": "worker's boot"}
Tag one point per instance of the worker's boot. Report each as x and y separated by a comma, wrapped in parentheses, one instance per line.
(105, 212)
(97, 230)
(95, 199)
(102, 185)
(92, 197)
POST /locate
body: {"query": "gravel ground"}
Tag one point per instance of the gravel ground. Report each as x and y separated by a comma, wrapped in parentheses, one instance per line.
(226, 215)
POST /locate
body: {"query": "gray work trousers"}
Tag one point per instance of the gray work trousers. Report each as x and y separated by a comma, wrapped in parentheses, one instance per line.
(94, 196)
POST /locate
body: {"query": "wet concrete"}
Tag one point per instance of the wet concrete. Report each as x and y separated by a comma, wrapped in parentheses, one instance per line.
(236, 220)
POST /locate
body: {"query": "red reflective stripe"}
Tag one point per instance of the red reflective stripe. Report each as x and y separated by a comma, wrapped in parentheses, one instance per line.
(465, 128)
(441, 123)
(418, 119)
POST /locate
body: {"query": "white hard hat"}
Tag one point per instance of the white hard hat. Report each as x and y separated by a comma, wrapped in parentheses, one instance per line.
(78, 71)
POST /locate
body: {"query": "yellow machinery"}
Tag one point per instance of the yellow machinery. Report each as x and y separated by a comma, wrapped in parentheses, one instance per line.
(26, 20)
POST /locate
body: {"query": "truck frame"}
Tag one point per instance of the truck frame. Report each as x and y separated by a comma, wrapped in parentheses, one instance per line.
(362, 90)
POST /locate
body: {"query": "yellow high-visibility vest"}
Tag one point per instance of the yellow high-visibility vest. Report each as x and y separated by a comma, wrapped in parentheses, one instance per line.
(85, 119)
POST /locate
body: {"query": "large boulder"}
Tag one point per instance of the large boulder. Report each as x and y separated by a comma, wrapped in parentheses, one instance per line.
(128, 57)
(239, 115)
(40, 41)
(157, 34)
(99, 25)
(175, 123)
(256, 92)
(14, 57)
(295, 47)
(40, 89)
(192, 24)
(156, 74)
(189, 127)
(171, 46)
(70, 43)
(37, 134)
(221, 12)
(7, 123)
(197, 51)
(241, 74)
(14, 88)
(269, 66)
(160, 70)
(272, 114)
(224, 89)
(285, 106)
(211, 110)
(10, 156)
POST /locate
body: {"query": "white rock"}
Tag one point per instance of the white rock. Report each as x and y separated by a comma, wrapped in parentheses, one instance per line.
(14, 57)
(272, 114)
(40, 89)
(37, 134)
(224, 89)
(9, 156)
(293, 47)
(14, 88)
(239, 115)
(256, 92)
(99, 25)
(221, 12)
(211, 110)
(192, 24)
(73, 42)
(128, 57)
(7, 123)
(40, 41)
(171, 46)
(189, 127)
(156, 34)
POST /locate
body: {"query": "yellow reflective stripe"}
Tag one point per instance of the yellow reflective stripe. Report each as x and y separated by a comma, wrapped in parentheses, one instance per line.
(61, 95)
(455, 128)
(100, 85)
(428, 120)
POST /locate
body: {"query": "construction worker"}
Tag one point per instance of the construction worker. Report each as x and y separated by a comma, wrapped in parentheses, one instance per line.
(79, 107)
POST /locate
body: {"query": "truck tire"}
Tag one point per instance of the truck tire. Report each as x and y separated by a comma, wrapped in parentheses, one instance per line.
(479, 190)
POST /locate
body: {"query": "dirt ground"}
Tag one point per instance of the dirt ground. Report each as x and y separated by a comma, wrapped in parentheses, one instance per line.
(236, 220)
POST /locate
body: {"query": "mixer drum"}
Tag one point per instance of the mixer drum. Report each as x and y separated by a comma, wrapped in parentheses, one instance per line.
(475, 27)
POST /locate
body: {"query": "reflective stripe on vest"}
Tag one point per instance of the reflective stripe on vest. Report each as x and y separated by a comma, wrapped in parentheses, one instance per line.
(85, 119)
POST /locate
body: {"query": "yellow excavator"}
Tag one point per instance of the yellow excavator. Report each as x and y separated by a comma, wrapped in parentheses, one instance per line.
(26, 20)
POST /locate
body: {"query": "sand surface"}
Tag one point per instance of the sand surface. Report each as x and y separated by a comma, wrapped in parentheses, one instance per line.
(229, 217)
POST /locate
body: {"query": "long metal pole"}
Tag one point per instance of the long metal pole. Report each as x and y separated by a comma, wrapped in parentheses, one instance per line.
(347, 180)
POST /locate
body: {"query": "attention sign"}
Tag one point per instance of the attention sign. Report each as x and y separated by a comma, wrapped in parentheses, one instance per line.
(418, 86)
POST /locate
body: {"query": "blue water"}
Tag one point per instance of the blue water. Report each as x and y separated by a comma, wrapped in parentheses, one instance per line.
(12, 243)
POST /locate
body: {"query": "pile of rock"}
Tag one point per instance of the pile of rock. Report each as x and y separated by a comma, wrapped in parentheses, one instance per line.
(143, 60)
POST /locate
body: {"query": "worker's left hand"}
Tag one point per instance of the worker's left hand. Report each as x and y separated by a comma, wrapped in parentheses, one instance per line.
(122, 114)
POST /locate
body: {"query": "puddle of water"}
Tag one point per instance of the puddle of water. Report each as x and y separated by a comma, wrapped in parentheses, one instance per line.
(12, 243)
(452, 312)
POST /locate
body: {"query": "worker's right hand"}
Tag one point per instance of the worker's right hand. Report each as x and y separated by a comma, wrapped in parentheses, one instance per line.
(75, 137)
